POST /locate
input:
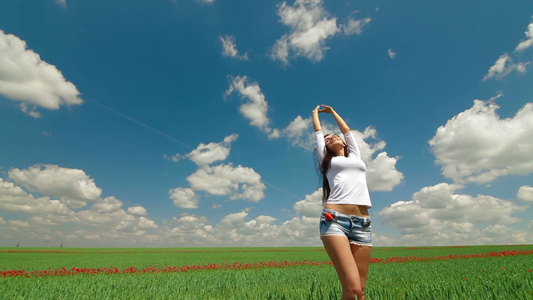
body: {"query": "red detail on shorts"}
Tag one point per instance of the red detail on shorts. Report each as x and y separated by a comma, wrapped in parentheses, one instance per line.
(329, 216)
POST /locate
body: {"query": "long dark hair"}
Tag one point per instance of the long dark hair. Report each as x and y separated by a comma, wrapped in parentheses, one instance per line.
(324, 167)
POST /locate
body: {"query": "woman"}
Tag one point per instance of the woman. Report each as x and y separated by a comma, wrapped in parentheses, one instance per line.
(345, 223)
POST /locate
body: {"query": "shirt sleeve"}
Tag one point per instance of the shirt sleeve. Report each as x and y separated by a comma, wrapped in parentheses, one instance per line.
(320, 145)
(353, 148)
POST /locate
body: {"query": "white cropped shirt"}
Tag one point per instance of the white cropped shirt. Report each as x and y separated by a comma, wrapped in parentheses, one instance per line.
(347, 175)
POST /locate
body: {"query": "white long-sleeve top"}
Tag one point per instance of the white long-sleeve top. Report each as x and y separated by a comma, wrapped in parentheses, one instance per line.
(347, 175)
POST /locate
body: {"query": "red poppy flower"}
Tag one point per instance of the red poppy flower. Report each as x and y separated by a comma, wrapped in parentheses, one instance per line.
(329, 216)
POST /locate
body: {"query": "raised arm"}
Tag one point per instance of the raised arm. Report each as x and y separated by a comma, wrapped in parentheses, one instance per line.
(316, 120)
(340, 122)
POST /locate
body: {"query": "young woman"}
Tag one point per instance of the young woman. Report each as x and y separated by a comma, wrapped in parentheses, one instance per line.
(345, 223)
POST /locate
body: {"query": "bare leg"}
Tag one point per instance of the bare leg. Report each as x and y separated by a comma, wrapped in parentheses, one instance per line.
(344, 260)
(361, 255)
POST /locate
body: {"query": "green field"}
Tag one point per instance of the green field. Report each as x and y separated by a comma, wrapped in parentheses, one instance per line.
(502, 272)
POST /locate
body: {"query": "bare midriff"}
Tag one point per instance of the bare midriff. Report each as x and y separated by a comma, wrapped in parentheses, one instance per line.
(349, 209)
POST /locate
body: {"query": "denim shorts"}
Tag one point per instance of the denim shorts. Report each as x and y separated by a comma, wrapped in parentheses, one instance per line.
(356, 229)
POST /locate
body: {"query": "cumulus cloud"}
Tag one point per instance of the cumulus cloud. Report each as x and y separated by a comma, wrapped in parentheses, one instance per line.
(298, 126)
(525, 193)
(235, 229)
(310, 27)
(137, 210)
(226, 180)
(104, 220)
(355, 26)
(35, 83)
(184, 197)
(478, 146)
(72, 186)
(14, 199)
(240, 229)
(221, 180)
(187, 230)
(437, 215)
(311, 206)
(254, 106)
(118, 221)
(229, 48)
(206, 154)
(523, 45)
(107, 205)
(298, 133)
(381, 172)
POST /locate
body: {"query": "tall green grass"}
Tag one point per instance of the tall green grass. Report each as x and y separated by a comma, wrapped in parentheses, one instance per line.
(476, 278)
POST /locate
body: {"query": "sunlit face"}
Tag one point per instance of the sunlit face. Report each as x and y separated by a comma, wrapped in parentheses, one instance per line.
(332, 141)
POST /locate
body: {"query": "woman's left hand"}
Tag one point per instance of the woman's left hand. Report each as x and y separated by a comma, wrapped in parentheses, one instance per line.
(325, 109)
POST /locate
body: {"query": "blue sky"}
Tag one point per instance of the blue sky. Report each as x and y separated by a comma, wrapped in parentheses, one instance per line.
(187, 123)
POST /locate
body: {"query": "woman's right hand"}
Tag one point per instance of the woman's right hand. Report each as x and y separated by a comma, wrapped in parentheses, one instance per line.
(326, 109)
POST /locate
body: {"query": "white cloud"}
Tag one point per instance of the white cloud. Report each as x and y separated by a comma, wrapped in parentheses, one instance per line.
(212, 152)
(355, 26)
(525, 193)
(237, 182)
(529, 41)
(392, 54)
(381, 172)
(111, 219)
(281, 50)
(145, 223)
(503, 66)
(298, 126)
(221, 180)
(230, 48)
(233, 219)
(72, 186)
(15, 199)
(26, 78)
(187, 230)
(107, 205)
(238, 229)
(137, 210)
(310, 27)
(105, 221)
(478, 146)
(304, 230)
(184, 197)
(117, 224)
(311, 206)
(235, 229)
(437, 215)
(206, 1)
(255, 107)
(298, 133)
